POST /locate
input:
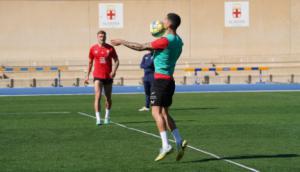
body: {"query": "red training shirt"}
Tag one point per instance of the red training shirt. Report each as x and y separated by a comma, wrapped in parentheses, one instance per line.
(102, 56)
(160, 43)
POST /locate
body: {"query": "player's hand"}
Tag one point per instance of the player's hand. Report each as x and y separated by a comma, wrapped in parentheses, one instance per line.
(116, 42)
(86, 81)
(112, 74)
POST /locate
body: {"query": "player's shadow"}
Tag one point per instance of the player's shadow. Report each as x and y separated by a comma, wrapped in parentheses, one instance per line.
(245, 157)
(193, 108)
(136, 122)
(152, 122)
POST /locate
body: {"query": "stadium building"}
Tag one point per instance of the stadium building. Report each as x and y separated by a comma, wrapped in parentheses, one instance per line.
(235, 42)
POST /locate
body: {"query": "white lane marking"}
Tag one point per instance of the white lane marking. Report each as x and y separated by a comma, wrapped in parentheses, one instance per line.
(191, 147)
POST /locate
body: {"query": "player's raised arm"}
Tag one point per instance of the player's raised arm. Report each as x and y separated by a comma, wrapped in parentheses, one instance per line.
(157, 29)
(132, 45)
(158, 44)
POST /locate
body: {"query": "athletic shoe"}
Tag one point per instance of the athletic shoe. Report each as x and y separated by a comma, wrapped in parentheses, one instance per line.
(180, 149)
(106, 121)
(144, 109)
(163, 153)
(98, 123)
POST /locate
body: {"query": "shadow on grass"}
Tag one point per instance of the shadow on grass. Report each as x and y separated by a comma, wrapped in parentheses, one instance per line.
(241, 157)
(144, 122)
(193, 108)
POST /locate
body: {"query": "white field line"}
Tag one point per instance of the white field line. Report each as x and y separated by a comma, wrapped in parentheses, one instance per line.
(191, 147)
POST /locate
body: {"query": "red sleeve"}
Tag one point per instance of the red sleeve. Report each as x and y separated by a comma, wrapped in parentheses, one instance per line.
(160, 43)
(91, 56)
(113, 54)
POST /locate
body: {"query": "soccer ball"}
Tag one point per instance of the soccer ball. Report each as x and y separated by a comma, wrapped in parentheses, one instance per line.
(157, 28)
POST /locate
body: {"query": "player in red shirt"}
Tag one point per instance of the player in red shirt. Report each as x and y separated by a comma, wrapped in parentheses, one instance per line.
(102, 55)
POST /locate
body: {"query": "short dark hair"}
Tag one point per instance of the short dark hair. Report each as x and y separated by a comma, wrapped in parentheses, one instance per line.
(175, 20)
(101, 32)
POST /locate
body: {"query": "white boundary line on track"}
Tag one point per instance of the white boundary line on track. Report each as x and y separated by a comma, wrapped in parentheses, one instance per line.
(180, 92)
(191, 147)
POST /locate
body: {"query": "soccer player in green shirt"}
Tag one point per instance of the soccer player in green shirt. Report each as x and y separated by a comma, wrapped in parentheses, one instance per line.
(167, 50)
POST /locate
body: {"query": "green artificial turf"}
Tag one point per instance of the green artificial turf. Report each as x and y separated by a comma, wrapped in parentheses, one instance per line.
(259, 130)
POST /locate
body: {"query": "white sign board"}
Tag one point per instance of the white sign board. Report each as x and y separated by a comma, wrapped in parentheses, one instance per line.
(237, 14)
(111, 15)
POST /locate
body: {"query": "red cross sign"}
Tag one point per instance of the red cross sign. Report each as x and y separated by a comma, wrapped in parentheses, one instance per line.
(111, 14)
(236, 12)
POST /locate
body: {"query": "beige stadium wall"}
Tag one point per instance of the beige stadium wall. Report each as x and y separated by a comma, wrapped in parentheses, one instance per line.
(61, 31)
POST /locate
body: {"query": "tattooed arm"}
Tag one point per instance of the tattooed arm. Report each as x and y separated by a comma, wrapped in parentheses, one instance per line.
(132, 45)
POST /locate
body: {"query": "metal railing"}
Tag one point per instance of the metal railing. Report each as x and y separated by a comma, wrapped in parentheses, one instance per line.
(182, 80)
(130, 74)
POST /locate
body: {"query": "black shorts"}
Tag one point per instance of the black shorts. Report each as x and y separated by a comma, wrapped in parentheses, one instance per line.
(162, 92)
(104, 81)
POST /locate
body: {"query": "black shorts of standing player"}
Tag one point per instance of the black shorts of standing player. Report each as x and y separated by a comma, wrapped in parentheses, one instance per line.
(162, 92)
(108, 81)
